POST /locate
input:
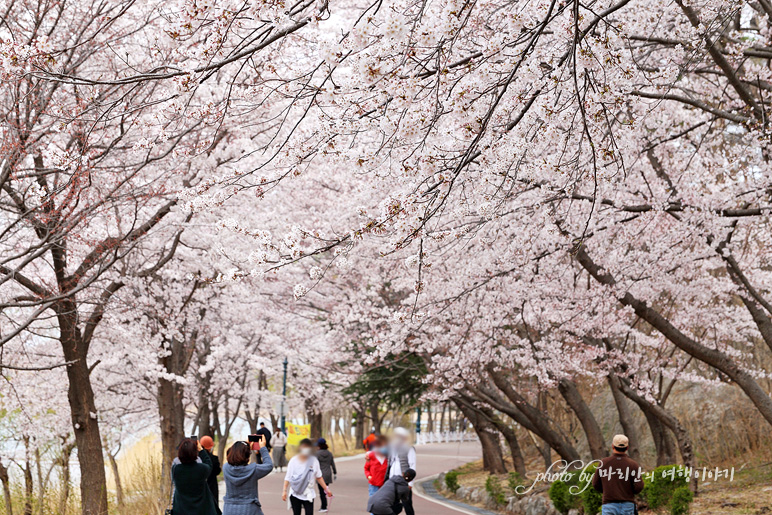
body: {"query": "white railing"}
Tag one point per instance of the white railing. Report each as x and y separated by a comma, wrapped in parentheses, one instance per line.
(424, 438)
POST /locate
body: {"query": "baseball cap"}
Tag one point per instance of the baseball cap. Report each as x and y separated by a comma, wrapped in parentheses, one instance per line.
(620, 441)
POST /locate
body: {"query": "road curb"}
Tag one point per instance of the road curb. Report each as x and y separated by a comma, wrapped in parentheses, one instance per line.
(425, 489)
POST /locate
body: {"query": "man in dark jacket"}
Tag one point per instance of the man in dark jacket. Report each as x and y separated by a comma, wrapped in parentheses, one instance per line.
(619, 478)
(208, 444)
(395, 492)
(267, 434)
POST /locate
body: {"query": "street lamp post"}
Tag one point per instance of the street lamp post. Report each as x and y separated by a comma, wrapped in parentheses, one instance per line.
(284, 398)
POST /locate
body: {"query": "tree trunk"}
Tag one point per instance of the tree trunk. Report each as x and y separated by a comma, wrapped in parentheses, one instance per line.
(316, 425)
(117, 478)
(671, 422)
(625, 418)
(6, 489)
(493, 458)
(64, 461)
(375, 416)
(592, 431)
(514, 446)
(359, 429)
(41, 484)
(529, 417)
(663, 442)
(507, 432)
(85, 423)
(340, 426)
(204, 417)
(713, 357)
(172, 416)
(28, 481)
(442, 417)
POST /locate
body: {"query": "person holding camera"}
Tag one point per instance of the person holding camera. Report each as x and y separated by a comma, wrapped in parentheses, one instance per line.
(241, 477)
(191, 492)
(302, 472)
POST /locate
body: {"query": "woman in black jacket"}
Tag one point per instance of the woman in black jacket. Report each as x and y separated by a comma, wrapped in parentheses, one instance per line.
(329, 471)
(191, 492)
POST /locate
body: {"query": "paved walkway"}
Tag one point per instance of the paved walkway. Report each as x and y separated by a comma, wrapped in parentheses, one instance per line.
(350, 490)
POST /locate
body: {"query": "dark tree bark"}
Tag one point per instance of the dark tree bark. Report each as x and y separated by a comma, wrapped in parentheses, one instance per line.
(5, 480)
(528, 416)
(625, 418)
(117, 477)
(663, 442)
(511, 438)
(28, 481)
(506, 431)
(592, 431)
(171, 410)
(375, 416)
(713, 357)
(493, 458)
(683, 439)
(360, 429)
(316, 419)
(64, 462)
(83, 411)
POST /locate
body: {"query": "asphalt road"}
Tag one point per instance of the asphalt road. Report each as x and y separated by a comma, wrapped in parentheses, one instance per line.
(350, 490)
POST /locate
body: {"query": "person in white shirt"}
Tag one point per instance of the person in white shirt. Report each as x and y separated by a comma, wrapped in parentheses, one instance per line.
(302, 472)
(279, 449)
(401, 458)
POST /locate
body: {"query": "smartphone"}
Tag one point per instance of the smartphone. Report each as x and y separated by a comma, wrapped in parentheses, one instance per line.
(194, 438)
(254, 438)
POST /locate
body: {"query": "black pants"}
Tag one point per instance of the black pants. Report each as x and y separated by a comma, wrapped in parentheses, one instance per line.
(323, 496)
(298, 506)
(407, 504)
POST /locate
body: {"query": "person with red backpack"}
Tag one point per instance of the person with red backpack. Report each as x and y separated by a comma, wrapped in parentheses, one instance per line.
(369, 442)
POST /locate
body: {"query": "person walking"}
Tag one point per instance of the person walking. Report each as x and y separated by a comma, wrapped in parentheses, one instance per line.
(241, 478)
(279, 441)
(191, 491)
(402, 457)
(619, 478)
(396, 492)
(369, 440)
(302, 471)
(208, 444)
(329, 471)
(267, 434)
(376, 465)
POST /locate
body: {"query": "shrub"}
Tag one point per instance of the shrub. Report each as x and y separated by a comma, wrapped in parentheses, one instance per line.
(495, 490)
(667, 486)
(561, 496)
(681, 500)
(451, 481)
(587, 498)
(514, 480)
(592, 500)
